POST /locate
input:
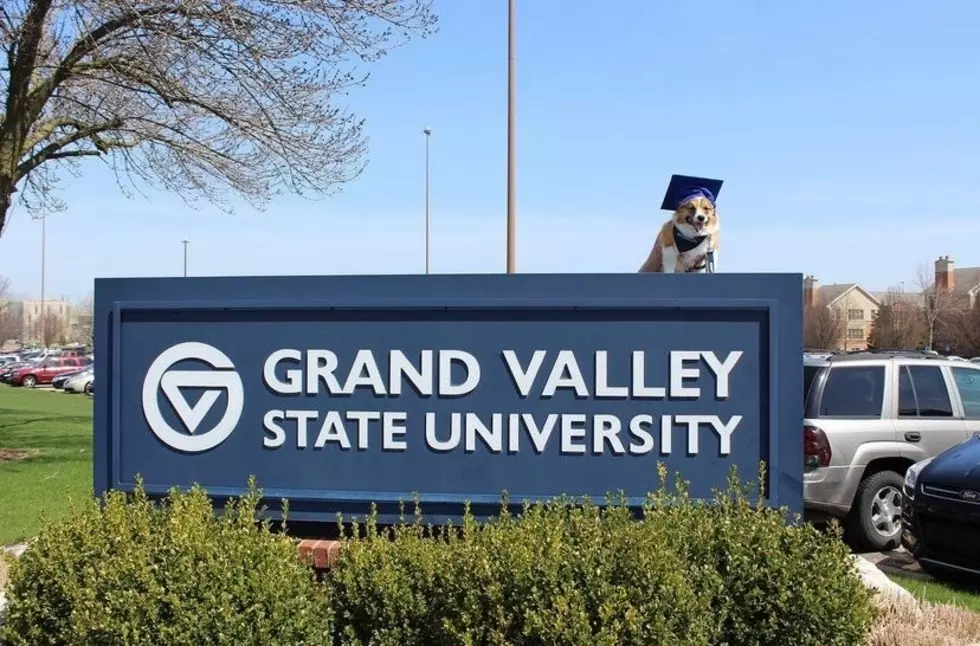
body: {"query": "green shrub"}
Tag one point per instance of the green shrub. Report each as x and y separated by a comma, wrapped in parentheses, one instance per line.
(730, 573)
(563, 573)
(134, 572)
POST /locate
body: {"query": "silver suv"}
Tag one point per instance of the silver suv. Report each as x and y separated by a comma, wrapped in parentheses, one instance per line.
(867, 417)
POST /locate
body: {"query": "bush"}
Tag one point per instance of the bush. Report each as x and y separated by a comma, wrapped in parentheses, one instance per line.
(567, 572)
(134, 572)
(561, 573)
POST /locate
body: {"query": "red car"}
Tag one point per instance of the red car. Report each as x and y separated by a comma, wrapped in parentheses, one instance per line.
(44, 372)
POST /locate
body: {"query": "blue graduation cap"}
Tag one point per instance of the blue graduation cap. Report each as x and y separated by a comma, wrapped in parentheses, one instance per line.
(684, 187)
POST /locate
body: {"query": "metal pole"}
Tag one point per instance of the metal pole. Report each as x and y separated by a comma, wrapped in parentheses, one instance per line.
(511, 196)
(184, 242)
(44, 316)
(428, 134)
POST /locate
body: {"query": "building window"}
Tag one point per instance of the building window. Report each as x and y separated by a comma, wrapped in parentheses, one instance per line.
(855, 333)
(855, 315)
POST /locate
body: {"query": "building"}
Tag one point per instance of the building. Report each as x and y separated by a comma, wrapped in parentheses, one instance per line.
(962, 284)
(855, 307)
(57, 313)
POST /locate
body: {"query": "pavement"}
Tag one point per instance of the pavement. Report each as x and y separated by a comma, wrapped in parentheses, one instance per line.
(896, 561)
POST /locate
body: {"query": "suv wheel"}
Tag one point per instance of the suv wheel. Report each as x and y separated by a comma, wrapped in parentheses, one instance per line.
(29, 381)
(875, 521)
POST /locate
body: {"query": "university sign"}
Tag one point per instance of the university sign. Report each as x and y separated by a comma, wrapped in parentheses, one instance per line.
(339, 392)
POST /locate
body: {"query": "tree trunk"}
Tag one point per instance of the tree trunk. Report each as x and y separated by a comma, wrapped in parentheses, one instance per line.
(6, 201)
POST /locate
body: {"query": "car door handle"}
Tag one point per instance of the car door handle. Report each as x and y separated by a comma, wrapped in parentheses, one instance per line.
(913, 436)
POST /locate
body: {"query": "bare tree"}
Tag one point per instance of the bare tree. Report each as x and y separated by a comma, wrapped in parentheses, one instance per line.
(959, 328)
(10, 320)
(85, 317)
(823, 327)
(899, 323)
(48, 329)
(193, 96)
(936, 303)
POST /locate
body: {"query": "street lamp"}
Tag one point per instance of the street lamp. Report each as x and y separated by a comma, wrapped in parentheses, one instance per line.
(185, 242)
(511, 196)
(428, 133)
(44, 244)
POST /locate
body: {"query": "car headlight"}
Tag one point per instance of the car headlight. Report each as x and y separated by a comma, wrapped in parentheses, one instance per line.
(912, 474)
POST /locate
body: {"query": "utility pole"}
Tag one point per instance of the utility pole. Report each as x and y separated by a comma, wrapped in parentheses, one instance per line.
(185, 242)
(428, 133)
(511, 195)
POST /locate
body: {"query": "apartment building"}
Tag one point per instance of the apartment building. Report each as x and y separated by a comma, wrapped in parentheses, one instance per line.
(854, 305)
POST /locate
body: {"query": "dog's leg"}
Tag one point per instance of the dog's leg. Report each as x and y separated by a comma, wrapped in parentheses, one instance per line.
(670, 260)
(714, 267)
(651, 262)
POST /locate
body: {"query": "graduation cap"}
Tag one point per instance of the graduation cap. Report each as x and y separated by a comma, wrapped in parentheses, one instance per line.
(683, 188)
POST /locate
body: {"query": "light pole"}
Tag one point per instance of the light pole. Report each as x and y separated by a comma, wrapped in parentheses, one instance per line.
(428, 133)
(44, 316)
(511, 196)
(185, 242)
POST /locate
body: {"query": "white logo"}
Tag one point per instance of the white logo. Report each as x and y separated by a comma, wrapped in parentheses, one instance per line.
(160, 377)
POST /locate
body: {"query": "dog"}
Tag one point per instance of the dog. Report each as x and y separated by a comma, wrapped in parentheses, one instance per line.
(682, 244)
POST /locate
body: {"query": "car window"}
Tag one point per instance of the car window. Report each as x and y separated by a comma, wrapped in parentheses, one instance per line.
(809, 374)
(906, 394)
(968, 384)
(922, 392)
(853, 391)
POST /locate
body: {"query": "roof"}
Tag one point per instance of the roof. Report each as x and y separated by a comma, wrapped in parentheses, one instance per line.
(829, 294)
(895, 296)
(965, 279)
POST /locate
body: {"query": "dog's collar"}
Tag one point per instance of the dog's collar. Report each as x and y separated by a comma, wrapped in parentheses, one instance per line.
(684, 243)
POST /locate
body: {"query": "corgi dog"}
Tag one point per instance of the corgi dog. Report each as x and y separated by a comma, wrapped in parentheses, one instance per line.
(683, 241)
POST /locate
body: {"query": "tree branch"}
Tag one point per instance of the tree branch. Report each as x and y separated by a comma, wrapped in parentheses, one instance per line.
(54, 149)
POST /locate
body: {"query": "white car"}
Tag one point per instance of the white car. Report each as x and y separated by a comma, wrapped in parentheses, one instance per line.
(80, 384)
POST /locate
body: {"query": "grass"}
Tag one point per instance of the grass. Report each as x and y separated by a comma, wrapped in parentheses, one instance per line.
(56, 431)
(940, 592)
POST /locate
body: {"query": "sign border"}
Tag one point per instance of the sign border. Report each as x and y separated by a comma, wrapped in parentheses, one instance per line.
(783, 486)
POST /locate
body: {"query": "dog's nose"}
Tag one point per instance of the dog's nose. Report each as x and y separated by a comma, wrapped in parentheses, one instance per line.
(700, 217)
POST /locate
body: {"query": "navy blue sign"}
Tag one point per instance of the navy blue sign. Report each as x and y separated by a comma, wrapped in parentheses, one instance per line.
(336, 392)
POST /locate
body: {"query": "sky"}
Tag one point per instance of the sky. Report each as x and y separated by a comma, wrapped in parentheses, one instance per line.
(846, 134)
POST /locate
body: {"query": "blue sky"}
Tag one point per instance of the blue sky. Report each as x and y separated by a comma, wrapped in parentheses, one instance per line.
(846, 134)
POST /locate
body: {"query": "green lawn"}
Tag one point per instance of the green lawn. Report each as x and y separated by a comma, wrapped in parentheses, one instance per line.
(58, 427)
(939, 592)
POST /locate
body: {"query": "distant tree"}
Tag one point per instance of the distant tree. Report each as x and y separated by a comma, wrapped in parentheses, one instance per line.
(823, 327)
(938, 304)
(10, 321)
(85, 317)
(960, 329)
(899, 324)
(194, 96)
(48, 329)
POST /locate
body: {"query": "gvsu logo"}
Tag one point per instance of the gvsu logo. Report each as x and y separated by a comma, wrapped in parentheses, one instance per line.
(221, 377)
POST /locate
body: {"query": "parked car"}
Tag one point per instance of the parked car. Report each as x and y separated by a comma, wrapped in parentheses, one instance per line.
(59, 381)
(7, 372)
(941, 510)
(80, 383)
(867, 418)
(42, 373)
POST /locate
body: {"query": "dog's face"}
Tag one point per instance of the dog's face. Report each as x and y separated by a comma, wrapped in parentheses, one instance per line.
(696, 218)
